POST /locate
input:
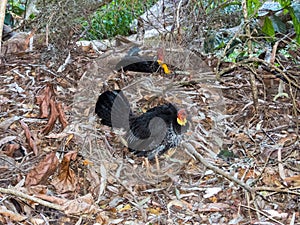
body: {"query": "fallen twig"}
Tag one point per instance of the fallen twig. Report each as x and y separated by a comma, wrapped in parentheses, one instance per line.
(263, 213)
(31, 198)
(193, 151)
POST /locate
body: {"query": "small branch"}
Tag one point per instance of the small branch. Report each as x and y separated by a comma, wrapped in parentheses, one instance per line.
(254, 88)
(31, 198)
(277, 190)
(193, 151)
(257, 60)
(262, 213)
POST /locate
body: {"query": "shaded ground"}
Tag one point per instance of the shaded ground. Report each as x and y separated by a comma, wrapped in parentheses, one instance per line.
(54, 149)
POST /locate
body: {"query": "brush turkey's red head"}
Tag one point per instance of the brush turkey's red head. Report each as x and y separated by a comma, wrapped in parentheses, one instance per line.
(181, 117)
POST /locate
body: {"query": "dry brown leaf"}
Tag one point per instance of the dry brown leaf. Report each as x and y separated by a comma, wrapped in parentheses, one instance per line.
(94, 180)
(61, 115)
(11, 215)
(101, 218)
(66, 180)
(53, 117)
(155, 211)
(242, 137)
(63, 82)
(214, 207)
(40, 173)
(53, 199)
(38, 189)
(288, 140)
(271, 178)
(17, 44)
(11, 149)
(247, 174)
(179, 204)
(294, 179)
(82, 205)
(87, 162)
(44, 101)
(30, 140)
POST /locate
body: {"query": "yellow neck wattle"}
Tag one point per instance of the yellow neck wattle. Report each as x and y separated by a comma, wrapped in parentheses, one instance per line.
(181, 122)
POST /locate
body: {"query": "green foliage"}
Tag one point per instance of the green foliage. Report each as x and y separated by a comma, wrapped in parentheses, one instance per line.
(291, 47)
(253, 6)
(273, 23)
(268, 28)
(115, 18)
(296, 22)
(284, 3)
(16, 7)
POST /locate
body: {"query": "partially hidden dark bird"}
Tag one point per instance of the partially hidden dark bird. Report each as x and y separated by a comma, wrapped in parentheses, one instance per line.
(137, 63)
(150, 134)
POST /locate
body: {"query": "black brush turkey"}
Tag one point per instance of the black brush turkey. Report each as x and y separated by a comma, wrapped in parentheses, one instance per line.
(149, 134)
(134, 62)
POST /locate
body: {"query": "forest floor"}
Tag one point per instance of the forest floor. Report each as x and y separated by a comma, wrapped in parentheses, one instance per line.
(239, 163)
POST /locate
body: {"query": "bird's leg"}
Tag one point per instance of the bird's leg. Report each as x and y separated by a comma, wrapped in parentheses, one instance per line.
(157, 163)
(148, 167)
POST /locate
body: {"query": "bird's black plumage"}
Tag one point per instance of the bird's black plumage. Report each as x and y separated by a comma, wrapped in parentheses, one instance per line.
(142, 63)
(138, 64)
(149, 134)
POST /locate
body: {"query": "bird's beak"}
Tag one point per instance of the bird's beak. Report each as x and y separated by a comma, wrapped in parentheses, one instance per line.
(181, 121)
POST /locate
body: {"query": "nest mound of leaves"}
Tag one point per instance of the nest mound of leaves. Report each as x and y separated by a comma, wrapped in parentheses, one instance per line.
(238, 165)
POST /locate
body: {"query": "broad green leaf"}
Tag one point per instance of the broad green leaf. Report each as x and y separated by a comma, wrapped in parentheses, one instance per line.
(278, 25)
(268, 28)
(296, 23)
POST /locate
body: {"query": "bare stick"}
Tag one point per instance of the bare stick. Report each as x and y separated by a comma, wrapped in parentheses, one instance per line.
(263, 213)
(31, 198)
(193, 151)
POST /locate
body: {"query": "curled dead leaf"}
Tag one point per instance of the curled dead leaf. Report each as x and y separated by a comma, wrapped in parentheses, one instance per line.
(52, 119)
(30, 140)
(12, 150)
(40, 173)
(66, 180)
(44, 101)
(61, 115)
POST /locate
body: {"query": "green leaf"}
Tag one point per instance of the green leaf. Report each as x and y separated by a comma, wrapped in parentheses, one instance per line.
(268, 28)
(278, 25)
(9, 20)
(296, 23)
(284, 3)
(253, 6)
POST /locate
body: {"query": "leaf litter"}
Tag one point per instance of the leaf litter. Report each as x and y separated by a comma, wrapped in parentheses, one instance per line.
(79, 167)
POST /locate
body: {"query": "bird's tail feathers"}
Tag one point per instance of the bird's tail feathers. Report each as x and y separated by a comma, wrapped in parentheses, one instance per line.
(114, 109)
